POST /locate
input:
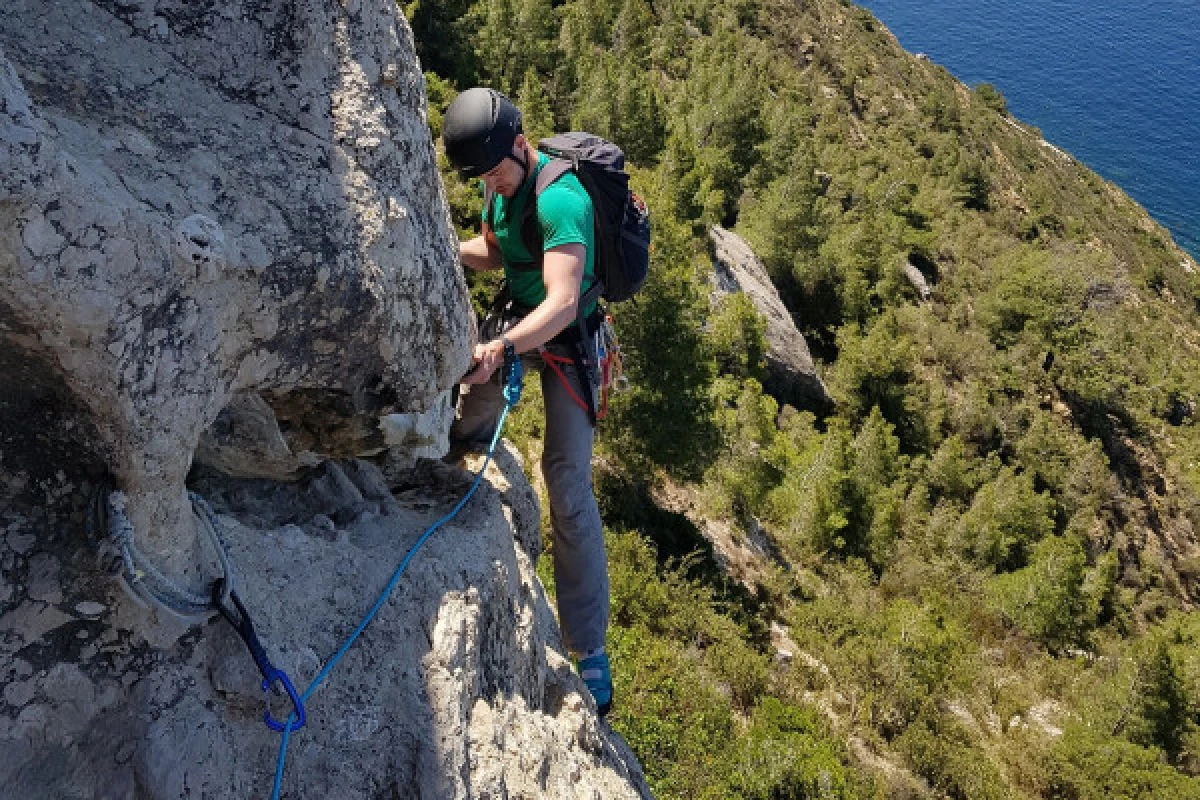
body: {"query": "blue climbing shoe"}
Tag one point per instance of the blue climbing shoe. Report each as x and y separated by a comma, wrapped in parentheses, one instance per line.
(598, 678)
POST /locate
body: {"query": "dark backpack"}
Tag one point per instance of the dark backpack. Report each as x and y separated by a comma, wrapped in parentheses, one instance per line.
(622, 231)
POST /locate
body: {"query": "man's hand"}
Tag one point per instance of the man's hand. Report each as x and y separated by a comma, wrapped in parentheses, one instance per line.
(488, 357)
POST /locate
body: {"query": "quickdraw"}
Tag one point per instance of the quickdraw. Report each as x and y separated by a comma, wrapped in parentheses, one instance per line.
(231, 608)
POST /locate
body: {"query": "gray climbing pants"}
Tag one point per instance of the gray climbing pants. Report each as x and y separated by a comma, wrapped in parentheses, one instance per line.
(580, 561)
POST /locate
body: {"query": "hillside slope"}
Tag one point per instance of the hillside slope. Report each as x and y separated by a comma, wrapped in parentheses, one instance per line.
(988, 555)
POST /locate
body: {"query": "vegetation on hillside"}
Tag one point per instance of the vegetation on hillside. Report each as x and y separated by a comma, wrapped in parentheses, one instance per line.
(987, 555)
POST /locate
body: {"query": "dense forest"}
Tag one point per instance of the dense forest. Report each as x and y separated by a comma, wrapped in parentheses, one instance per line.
(983, 562)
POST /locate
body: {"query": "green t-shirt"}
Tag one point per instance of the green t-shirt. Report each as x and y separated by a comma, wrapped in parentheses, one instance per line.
(564, 213)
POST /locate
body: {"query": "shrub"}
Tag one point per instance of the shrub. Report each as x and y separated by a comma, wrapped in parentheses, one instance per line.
(1048, 599)
(1034, 296)
(991, 98)
(875, 369)
(787, 754)
(1005, 519)
(1090, 764)
(942, 751)
(737, 333)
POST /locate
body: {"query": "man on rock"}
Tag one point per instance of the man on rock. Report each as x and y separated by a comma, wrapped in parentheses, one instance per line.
(483, 139)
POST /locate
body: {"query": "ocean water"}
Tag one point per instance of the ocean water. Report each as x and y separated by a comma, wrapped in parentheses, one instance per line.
(1114, 82)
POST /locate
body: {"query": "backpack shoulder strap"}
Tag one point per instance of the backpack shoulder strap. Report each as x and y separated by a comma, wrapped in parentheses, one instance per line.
(530, 232)
(489, 198)
(550, 173)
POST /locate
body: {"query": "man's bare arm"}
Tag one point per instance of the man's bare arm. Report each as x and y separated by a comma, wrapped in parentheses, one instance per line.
(562, 273)
(480, 254)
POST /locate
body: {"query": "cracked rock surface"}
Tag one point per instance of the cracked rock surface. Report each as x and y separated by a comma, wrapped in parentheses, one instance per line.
(205, 201)
(227, 265)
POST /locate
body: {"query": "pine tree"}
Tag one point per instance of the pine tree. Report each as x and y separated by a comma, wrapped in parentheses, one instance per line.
(535, 107)
(441, 39)
(632, 30)
(639, 128)
(596, 103)
(1166, 707)
(495, 45)
(536, 36)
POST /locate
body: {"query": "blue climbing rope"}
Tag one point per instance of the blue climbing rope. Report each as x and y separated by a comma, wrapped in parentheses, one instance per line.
(513, 375)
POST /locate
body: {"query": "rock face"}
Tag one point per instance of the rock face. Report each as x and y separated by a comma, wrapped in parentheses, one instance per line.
(458, 689)
(792, 378)
(204, 201)
(225, 255)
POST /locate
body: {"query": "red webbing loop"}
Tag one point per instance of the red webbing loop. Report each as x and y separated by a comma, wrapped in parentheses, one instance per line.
(554, 363)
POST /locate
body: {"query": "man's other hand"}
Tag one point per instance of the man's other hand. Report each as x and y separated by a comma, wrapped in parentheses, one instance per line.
(488, 358)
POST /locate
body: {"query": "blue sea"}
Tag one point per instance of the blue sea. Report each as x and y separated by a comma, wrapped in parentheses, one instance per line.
(1114, 82)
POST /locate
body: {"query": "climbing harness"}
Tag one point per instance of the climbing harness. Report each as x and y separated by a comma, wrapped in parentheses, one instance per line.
(513, 376)
(140, 578)
(606, 353)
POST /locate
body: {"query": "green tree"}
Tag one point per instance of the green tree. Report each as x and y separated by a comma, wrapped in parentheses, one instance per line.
(1006, 518)
(665, 419)
(1167, 710)
(536, 116)
(876, 369)
(1048, 598)
(512, 36)
(991, 98)
(442, 39)
(639, 127)
(632, 32)
(596, 107)
(875, 500)
(974, 185)
(737, 332)
(783, 222)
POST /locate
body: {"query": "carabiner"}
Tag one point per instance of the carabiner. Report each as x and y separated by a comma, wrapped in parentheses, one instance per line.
(514, 376)
(241, 623)
(297, 705)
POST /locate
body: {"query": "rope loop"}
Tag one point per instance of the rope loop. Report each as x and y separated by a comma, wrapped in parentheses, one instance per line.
(108, 524)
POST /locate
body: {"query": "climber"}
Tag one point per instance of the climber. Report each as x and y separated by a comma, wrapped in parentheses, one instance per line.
(539, 315)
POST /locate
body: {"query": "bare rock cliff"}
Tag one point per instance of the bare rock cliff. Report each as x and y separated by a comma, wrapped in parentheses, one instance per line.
(791, 375)
(226, 265)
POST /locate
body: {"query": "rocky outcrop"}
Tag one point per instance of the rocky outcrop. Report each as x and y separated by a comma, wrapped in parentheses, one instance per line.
(227, 265)
(201, 202)
(916, 279)
(791, 375)
(458, 689)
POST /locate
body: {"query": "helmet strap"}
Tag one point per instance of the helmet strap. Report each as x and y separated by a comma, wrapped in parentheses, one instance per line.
(523, 163)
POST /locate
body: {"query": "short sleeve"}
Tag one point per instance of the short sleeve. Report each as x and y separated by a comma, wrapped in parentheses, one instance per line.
(565, 215)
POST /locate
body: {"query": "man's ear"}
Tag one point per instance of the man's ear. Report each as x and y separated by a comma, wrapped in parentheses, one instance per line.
(519, 143)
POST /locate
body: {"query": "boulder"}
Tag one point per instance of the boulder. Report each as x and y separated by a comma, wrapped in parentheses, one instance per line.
(199, 202)
(791, 376)
(916, 279)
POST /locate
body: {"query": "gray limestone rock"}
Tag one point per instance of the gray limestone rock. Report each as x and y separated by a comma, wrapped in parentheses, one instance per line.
(225, 255)
(460, 687)
(203, 202)
(792, 377)
(916, 279)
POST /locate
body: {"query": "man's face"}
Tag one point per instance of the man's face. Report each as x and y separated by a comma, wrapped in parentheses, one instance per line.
(506, 177)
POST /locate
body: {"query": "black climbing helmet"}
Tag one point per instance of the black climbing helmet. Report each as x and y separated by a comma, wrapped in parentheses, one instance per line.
(479, 129)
